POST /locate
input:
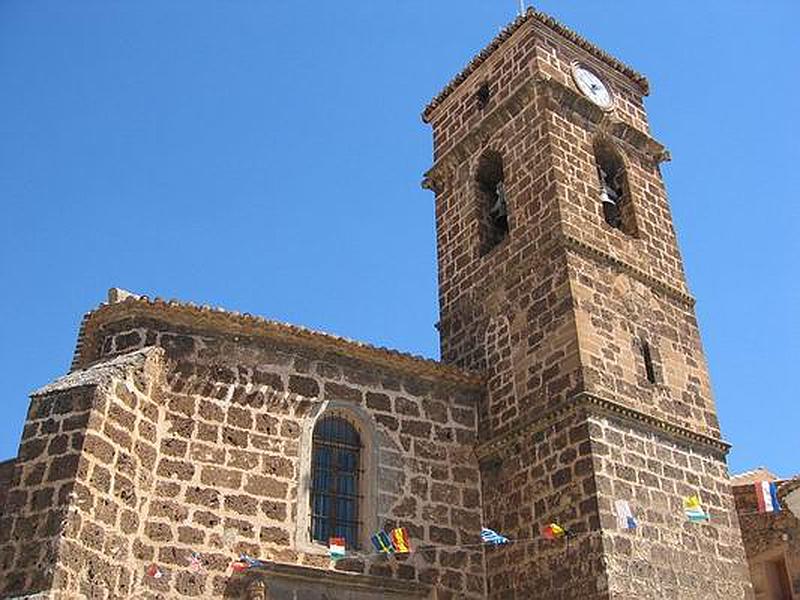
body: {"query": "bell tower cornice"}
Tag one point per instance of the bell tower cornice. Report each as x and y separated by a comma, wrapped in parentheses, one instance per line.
(560, 97)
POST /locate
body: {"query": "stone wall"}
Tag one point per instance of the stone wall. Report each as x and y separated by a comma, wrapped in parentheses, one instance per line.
(570, 470)
(211, 454)
(507, 312)
(769, 537)
(667, 556)
(615, 313)
(545, 475)
(81, 481)
(6, 474)
(40, 490)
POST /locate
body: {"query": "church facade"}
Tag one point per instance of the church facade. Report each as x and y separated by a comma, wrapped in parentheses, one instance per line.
(572, 382)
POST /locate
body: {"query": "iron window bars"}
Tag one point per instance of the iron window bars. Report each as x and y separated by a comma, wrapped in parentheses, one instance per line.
(335, 474)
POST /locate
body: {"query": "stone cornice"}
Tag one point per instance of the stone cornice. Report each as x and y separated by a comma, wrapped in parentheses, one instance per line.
(205, 319)
(566, 243)
(595, 253)
(594, 405)
(533, 16)
(339, 579)
(559, 96)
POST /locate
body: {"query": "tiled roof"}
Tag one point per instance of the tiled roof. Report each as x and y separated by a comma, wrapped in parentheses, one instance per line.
(123, 304)
(533, 15)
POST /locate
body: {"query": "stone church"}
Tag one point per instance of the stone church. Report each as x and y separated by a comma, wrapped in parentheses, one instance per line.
(572, 377)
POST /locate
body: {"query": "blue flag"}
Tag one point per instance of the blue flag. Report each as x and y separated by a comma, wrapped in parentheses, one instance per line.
(492, 537)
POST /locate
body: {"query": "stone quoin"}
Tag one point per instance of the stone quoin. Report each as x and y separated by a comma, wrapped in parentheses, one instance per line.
(572, 375)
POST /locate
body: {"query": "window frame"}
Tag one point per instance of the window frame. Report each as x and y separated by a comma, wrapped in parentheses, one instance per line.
(603, 150)
(326, 476)
(368, 481)
(490, 170)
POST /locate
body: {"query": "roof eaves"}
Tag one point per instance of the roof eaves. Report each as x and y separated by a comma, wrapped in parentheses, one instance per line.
(256, 325)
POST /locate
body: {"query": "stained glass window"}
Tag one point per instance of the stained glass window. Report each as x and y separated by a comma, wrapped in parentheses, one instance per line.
(335, 471)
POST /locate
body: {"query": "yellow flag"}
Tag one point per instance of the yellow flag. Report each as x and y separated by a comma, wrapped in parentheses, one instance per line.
(692, 502)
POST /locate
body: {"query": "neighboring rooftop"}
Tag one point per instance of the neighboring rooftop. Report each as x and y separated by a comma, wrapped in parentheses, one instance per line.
(533, 15)
(757, 474)
(122, 304)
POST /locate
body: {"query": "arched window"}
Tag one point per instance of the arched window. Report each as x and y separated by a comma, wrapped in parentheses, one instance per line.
(614, 191)
(492, 207)
(335, 472)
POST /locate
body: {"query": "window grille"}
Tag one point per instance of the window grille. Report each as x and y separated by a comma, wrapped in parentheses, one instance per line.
(335, 475)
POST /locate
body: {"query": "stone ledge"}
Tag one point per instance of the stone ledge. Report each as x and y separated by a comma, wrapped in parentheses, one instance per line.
(586, 249)
(593, 405)
(101, 372)
(340, 579)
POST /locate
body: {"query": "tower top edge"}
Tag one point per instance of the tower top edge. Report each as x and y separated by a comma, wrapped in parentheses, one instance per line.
(532, 15)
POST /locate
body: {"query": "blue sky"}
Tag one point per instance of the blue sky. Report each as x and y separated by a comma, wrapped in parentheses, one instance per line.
(266, 157)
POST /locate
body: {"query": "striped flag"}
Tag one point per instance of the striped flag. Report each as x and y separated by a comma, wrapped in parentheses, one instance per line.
(382, 543)
(400, 540)
(694, 510)
(553, 531)
(336, 547)
(492, 537)
(767, 496)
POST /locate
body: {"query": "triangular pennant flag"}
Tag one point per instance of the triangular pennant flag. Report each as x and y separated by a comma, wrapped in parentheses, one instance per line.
(492, 537)
(400, 540)
(553, 531)
(767, 496)
(337, 547)
(382, 542)
(625, 518)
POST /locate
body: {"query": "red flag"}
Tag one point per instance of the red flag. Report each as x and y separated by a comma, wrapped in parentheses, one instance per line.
(553, 531)
(400, 540)
(154, 572)
(239, 566)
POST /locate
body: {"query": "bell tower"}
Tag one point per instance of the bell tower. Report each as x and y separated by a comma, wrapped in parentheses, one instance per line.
(560, 278)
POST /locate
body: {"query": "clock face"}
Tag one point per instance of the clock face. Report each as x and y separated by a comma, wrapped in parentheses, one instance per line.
(592, 87)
